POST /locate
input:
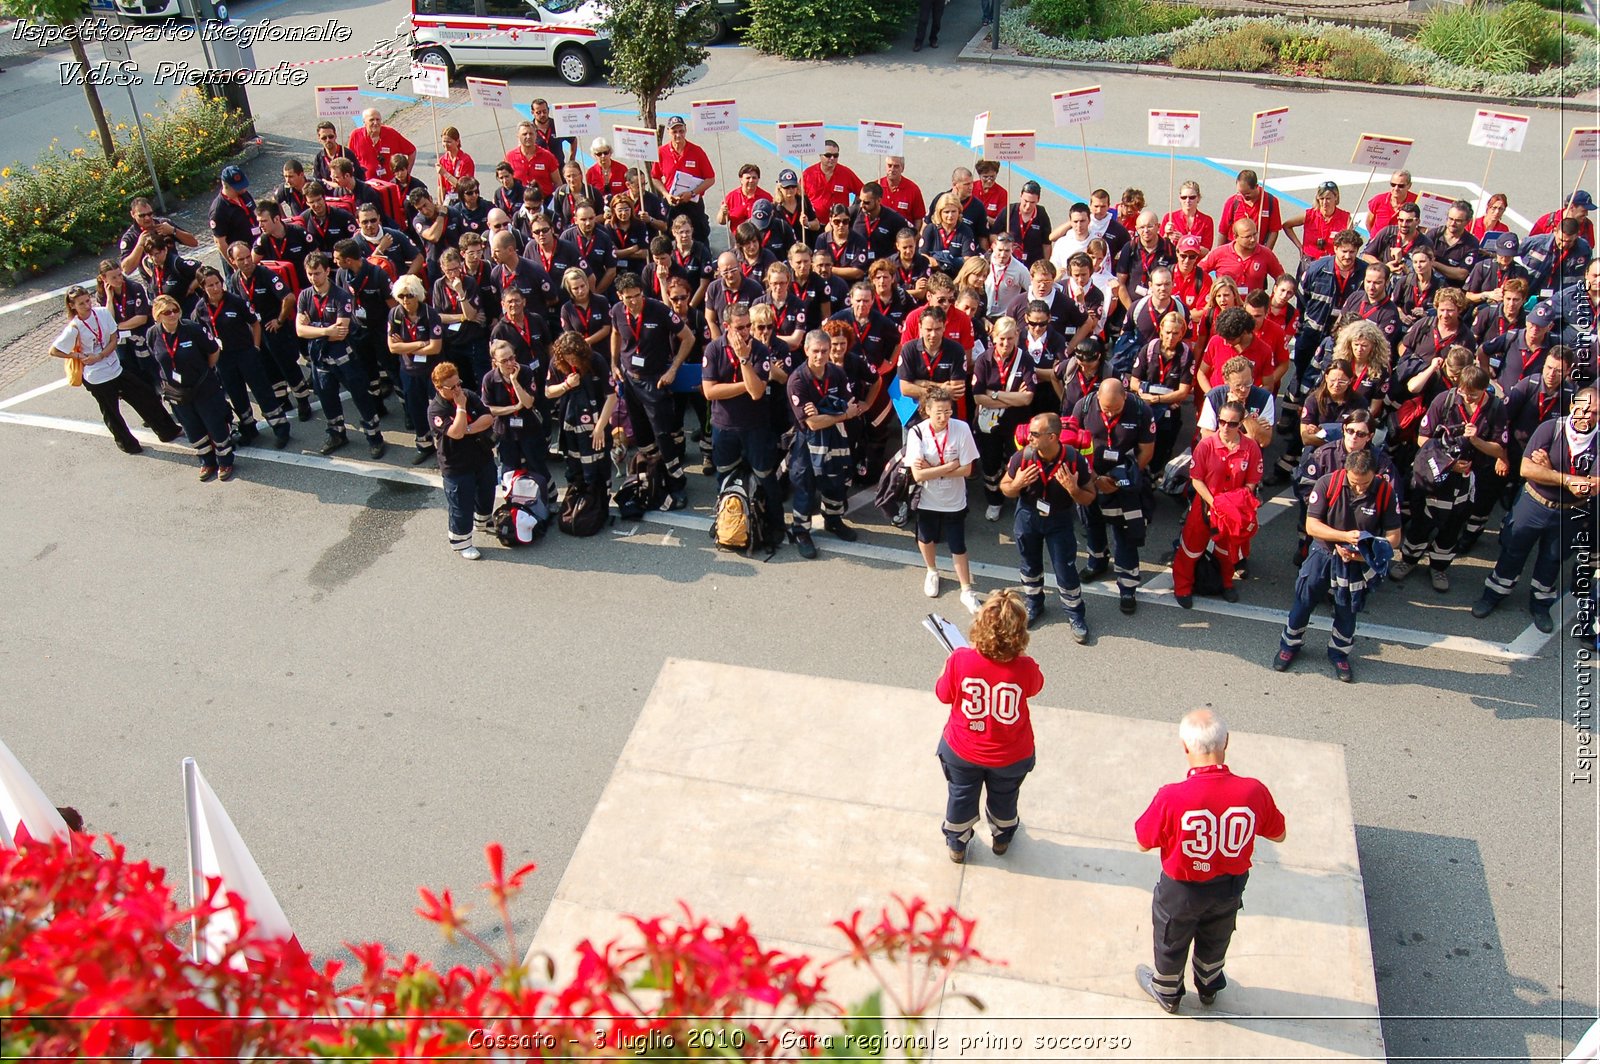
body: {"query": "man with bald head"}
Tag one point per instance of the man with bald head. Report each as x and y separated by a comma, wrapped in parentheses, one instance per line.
(1123, 431)
(374, 145)
(1252, 266)
(1206, 827)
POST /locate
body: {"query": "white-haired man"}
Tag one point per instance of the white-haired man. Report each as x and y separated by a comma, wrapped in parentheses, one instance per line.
(375, 144)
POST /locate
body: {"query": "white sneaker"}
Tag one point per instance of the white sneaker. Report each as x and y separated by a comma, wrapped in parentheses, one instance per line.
(970, 599)
(992, 514)
(472, 554)
(930, 584)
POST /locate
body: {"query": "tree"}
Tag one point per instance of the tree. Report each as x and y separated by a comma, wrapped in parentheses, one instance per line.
(67, 13)
(653, 49)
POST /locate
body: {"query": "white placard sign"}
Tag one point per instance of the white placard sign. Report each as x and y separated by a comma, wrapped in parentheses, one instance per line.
(635, 143)
(338, 101)
(576, 119)
(1077, 106)
(1382, 153)
(490, 92)
(1583, 143)
(1269, 127)
(1434, 207)
(430, 79)
(1009, 146)
(1498, 130)
(802, 139)
(1175, 129)
(980, 126)
(714, 116)
(880, 138)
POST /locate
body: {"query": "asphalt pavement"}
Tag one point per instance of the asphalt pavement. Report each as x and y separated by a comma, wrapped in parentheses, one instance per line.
(372, 711)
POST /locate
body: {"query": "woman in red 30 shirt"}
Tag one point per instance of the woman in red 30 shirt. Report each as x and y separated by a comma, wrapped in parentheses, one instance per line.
(988, 740)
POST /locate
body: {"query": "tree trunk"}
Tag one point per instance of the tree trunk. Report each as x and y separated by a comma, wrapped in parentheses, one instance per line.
(647, 109)
(92, 94)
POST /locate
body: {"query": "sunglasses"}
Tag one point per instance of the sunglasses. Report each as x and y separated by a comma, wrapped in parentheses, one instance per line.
(1359, 434)
(144, 216)
(602, 154)
(1038, 324)
(1188, 197)
(830, 155)
(1039, 435)
(1393, 185)
(541, 232)
(1224, 423)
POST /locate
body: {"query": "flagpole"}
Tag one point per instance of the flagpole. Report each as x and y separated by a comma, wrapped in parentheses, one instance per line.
(722, 169)
(438, 168)
(191, 806)
(498, 131)
(1084, 141)
(1582, 170)
(1361, 200)
(1266, 154)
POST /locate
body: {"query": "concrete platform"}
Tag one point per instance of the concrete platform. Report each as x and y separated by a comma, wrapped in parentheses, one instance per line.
(794, 800)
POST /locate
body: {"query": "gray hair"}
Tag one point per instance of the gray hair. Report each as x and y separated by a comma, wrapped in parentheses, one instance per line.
(1203, 732)
(818, 338)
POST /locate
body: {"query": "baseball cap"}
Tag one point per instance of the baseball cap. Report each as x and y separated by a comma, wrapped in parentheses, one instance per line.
(1582, 200)
(1031, 188)
(1506, 244)
(1543, 315)
(1191, 243)
(675, 121)
(235, 177)
(761, 214)
(788, 179)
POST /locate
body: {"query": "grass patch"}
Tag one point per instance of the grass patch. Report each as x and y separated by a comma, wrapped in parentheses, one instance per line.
(1521, 36)
(1264, 48)
(1100, 20)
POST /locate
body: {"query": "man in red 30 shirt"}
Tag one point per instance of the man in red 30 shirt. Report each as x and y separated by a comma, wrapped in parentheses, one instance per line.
(532, 164)
(1382, 207)
(684, 194)
(374, 144)
(1206, 828)
(1252, 266)
(826, 182)
(1255, 203)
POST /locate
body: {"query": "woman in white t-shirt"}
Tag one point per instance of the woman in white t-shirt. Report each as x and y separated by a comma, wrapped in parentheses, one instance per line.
(91, 334)
(940, 452)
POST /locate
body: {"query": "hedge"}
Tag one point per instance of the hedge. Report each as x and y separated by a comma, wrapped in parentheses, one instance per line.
(73, 201)
(1581, 74)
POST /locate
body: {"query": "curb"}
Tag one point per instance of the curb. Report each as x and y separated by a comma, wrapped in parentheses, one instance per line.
(979, 51)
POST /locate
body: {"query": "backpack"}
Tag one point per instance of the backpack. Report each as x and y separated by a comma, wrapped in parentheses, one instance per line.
(1207, 573)
(525, 516)
(645, 488)
(898, 493)
(740, 521)
(583, 513)
(1336, 485)
(384, 266)
(285, 272)
(389, 196)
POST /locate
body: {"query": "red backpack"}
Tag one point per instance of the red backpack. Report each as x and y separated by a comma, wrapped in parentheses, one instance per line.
(285, 272)
(389, 193)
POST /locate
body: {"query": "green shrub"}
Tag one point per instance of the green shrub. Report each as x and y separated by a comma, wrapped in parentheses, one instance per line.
(821, 29)
(1506, 40)
(1354, 58)
(74, 201)
(1101, 20)
(1534, 28)
(1249, 50)
(1064, 18)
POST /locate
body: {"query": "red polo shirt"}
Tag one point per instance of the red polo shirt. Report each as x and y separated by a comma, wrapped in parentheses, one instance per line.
(1383, 207)
(739, 204)
(957, 326)
(694, 161)
(1220, 469)
(1261, 354)
(1264, 214)
(905, 199)
(1175, 227)
(994, 201)
(1206, 825)
(824, 192)
(989, 722)
(610, 180)
(374, 158)
(1549, 223)
(1251, 273)
(540, 168)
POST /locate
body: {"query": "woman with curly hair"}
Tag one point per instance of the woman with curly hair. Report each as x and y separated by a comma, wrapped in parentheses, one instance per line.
(1361, 344)
(987, 746)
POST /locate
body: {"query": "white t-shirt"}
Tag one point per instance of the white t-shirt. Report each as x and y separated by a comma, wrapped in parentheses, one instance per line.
(946, 495)
(1066, 247)
(79, 335)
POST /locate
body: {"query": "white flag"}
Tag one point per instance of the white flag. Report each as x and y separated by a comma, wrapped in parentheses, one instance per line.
(217, 850)
(24, 806)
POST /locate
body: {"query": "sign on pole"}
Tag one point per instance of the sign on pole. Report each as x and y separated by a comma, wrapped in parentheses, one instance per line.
(636, 143)
(1435, 209)
(1498, 131)
(714, 116)
(489, 92)
(1009, 146)
(1077, 106)
(1269, 127)
(576, 119)
(1583, 143)
(1175, 129)
(800, 139)
(338, 101)
(430, 79)
(980, 126)
(880, 138)
(1382, 153)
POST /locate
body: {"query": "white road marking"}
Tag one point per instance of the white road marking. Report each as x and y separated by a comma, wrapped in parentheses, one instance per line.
(1525, 647)
(43, 389)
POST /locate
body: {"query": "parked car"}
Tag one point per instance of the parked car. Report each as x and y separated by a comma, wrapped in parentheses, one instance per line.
(562, 34)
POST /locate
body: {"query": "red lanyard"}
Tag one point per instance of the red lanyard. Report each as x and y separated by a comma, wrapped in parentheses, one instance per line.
(905, 276)
(1361, 375)
(1163, 367)
(94, 331)
(455, 302)
(1472, 418)
(1534, 354)
(524, 330)
(1367, 310)
(1046, 477)
(680, 258)
(838, 249)
(946, 240)
(1440, 345)
(584, 315)
(779, 315)
(623, 237)
(863, 329)
(938, 444)
(120, 304)
(320, 305)
(1148, 262)
(1109, 422)
(1419, 295)
(410, 327)
(1546, 407)
(1155, 317)
(583, 249)
(172, 348)
(799, 292)
(299, 200)
(159, 276)
(213, 315)
(1085, 383)
(928, 363)
(634, 326)
(546, 260)
(1024, 221)
(821, 384)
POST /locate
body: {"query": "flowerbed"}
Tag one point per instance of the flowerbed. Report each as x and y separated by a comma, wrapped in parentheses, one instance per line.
(1580, 74)
(73, 201)
(90, 968)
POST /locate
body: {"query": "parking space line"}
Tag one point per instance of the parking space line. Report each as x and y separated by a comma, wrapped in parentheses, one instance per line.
(43, 389)
(1524, 648)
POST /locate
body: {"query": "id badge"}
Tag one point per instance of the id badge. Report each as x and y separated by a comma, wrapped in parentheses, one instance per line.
(1110, 455)
(454, 327)
(516, 422)
(177, 378)
(637, 362)
(421, 360)
(1042, 508)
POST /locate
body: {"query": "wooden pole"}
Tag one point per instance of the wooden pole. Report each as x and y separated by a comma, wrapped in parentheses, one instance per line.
(1172, 177)
(434, 111)
(721, 169)
(1361, 200)
(1485, 182)
(498, 131)
(1084, 142)
(1582, 170)
(1266, 155)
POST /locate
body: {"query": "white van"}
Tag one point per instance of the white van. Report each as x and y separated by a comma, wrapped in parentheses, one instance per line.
(562, 34)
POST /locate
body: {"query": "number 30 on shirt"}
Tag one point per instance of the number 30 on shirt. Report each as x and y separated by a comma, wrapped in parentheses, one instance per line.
(1205, 833)
(981, 700)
